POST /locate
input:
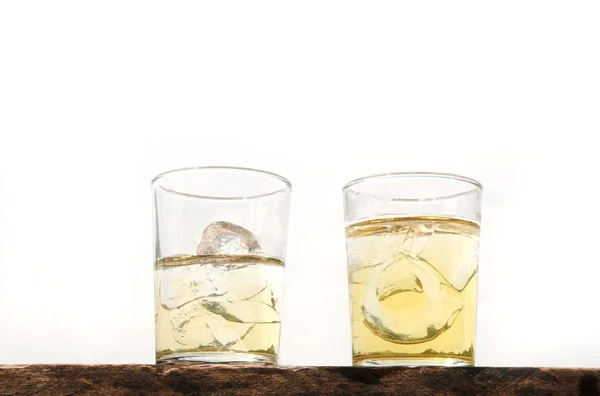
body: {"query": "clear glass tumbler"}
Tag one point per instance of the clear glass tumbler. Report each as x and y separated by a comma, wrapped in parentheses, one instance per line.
(220, 242)
(412, 244)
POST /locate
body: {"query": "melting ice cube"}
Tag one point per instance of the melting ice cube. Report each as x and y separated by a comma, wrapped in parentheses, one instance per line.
(193, 326)
(180, 285)
(222, 237)
(408, 303)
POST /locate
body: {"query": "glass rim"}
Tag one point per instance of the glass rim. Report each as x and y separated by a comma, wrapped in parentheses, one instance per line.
(288, 184)
(431, 175)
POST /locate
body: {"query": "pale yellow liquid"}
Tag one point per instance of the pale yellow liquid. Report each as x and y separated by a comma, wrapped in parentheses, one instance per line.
(218, 308)
(413, 290)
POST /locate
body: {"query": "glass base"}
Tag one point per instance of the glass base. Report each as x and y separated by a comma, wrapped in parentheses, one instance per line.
(218, 358)
(411, 361)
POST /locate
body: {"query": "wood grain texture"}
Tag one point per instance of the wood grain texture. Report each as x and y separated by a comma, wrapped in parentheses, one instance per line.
(180, 379)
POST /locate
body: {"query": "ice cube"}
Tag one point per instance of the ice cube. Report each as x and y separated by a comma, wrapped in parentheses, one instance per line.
(181, 285)
(246, 311)
(174, 290)
(208, 281)
(222, 237)
(195, 326)
(228, 333)
(262, 285)
(252, 294)
(455, 257)
(417, 238)
(407, 302)
(247, 281)
(189, 323)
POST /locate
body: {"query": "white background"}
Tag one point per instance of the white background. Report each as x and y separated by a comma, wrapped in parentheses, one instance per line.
(98, 97)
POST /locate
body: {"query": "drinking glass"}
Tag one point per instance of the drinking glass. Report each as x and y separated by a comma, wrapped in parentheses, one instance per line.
(220, 241)
(412, 244)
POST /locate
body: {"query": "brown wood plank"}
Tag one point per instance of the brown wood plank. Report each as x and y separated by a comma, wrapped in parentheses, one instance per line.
(179, 379)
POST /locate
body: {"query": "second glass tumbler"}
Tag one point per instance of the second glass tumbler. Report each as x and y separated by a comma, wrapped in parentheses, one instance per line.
(413, 245)
(220, 242)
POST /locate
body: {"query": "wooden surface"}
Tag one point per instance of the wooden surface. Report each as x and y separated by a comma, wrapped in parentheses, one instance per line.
(179, 379)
